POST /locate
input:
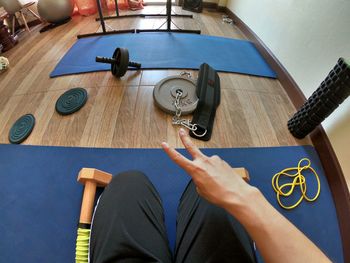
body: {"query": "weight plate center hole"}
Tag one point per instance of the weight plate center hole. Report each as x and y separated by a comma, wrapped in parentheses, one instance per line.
(176, 90)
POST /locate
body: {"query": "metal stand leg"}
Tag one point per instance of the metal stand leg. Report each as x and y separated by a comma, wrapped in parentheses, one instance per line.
(168, 14)
(116, 8)
(100, 14)
(103, 25)
(143, 15)
(168, 22)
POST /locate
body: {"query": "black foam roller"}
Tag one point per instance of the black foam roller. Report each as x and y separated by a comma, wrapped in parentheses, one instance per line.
(330, 94)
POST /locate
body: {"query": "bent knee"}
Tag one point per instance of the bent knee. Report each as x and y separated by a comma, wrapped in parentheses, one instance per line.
(128, 179)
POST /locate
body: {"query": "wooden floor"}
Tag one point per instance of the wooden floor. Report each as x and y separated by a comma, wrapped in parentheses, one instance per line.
(121, 113)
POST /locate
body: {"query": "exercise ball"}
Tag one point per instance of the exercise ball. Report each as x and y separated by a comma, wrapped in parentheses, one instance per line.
(55, 11)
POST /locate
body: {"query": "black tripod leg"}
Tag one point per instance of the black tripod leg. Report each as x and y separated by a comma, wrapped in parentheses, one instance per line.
(116, 8)
(168, 22)
(101, 16)
(168, 14)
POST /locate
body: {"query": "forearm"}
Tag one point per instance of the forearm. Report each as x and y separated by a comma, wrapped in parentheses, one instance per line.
(277, 239)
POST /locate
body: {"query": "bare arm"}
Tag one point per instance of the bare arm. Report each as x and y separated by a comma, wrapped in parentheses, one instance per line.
(278, 239)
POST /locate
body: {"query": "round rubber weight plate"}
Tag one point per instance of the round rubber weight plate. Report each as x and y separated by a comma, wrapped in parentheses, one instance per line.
(164, 94)
(21, 129)
(71, 101)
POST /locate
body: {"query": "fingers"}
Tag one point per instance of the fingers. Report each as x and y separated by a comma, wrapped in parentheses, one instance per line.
(189, 145)
(177, 157)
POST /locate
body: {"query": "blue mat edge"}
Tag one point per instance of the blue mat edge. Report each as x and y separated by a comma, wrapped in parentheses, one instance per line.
(272, 76)
(181, 149)
(53, 75)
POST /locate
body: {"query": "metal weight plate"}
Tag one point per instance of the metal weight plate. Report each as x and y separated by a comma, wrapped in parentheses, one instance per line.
(164, 94)
(21, 129)
(121, 55)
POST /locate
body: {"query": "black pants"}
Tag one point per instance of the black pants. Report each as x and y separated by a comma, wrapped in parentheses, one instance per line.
(128, 226)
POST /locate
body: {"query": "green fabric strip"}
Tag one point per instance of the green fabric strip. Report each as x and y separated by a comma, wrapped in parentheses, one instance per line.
(82, 246)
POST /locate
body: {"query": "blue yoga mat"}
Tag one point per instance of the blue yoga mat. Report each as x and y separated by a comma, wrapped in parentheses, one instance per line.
(166, 51)
(40, 198)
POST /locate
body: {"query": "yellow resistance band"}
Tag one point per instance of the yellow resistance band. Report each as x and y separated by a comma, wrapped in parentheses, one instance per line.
(287, 189)
(82, 246)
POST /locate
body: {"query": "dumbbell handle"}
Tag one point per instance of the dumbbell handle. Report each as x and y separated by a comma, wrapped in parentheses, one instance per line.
(106, 60)
(134, 64)
(114, 61)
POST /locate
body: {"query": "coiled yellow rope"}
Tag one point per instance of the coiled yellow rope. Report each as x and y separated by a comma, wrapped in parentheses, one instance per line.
(82, 246)
(287, 189)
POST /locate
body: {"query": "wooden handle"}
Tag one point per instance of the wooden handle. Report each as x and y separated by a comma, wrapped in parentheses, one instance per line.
(87, 204)
(242, 172)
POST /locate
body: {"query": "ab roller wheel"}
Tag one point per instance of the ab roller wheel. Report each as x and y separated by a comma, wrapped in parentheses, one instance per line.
(119, 62)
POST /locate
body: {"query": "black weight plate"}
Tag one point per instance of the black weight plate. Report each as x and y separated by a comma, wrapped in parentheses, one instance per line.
(21, 129)
(122, 57)
(71, 101)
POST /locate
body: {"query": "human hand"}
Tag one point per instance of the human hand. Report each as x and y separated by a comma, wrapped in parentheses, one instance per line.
(215, 179)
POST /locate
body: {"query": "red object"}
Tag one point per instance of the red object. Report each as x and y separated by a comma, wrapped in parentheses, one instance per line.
(103, 4)
(125, 4)
(110, 4)
(135, 4)
(122, 5)
(89, 7)
(86, 7)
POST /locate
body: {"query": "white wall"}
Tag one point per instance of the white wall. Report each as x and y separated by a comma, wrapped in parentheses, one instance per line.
(308, 37)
